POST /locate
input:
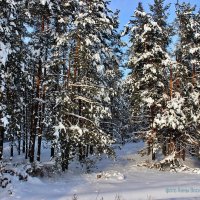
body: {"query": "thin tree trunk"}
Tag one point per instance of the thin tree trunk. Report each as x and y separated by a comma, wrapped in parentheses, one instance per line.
(42, 107)
(52, 150)
(37, 104)
(91, 149)
(151, 145)
(64, 152)
(77, 73)
(26, 134)
(82, 152)
(11, 147)
(171, 83)
(41, 124)
(32, 137)
(34, 118)
(153, 155)
(39, 138)
(1, 141)
(198, 149)
(19, 142)
(87, 150)
(164, 148)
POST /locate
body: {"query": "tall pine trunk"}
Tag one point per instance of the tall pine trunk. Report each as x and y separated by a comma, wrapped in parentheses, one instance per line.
(26, 133)
(34, 116)
(42, 105)
(23, 135)
(11, 147)
(32, 137)
(19, 141)
(1, 140)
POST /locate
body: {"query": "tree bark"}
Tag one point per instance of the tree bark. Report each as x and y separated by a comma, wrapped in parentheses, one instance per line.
(1, 141)
(11, 147)
(171, 83)
(19, 142)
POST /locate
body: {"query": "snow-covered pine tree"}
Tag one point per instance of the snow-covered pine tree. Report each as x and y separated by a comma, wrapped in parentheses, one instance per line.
(39, 24)
(149, 61)
(11, 61)
(111, 76)
(58, 92)
(178, 121)
(137, 120)
(122, 112)
(6, 25)
(188, 55)
(185, 15)
(195, 48)
(115, 123)
(193, 88)
(160, 14)
(171, 121)
(85, 97)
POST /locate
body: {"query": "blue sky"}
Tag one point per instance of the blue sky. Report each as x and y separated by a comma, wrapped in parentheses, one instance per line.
(127, 8)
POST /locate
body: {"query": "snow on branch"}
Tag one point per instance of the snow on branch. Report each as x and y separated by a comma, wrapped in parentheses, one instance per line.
(84, 85)
(85, 99)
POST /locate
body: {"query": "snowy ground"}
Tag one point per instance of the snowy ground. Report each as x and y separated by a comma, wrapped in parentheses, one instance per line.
(121, 179)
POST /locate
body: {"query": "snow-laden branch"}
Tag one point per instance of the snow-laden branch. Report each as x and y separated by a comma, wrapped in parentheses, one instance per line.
(85, 99)
(81, 117)
(84, 85)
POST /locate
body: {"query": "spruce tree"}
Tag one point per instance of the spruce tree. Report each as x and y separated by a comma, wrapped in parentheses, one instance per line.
(178, 121)
(160, 13)
(84, 101)
(149, 61)
(11, 62)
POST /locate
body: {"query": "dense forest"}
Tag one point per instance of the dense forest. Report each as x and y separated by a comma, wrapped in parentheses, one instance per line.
(62, 82)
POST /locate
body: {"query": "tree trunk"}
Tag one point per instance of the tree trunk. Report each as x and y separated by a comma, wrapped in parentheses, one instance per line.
(32, 140)
(52, 151)
(26, 134)
(1, 141)
(197, 149)
(64, 151)
(91, 149)
(34, 117)
(182, 154)
(39, 147)
(41, 118)
(164, 148)
(19, 142)
(153, 155)
(11, 148)
(41, 123)
(82, 153)
(152, 111)
(24, 127)
(171, 82)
